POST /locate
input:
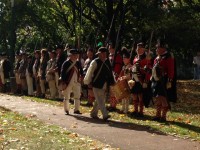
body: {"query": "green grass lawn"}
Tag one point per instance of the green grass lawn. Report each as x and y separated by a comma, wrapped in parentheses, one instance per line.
(19, 132)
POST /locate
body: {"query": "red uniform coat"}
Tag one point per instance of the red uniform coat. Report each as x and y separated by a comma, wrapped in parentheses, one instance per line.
(166, 64)
(166, 72)
(142, 66)
(118, 64)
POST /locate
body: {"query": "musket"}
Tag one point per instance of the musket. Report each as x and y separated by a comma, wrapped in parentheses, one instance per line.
(99, 29)
(48, 46)
(107, 45)
(35, 45)
(132, 52)
(150, 42)
(109, 31)
(42, 43)
(117, 45)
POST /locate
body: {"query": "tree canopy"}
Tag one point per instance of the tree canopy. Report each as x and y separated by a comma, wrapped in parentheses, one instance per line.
(43, 23)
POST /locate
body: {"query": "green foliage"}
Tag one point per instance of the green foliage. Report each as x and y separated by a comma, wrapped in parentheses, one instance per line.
(47, 23)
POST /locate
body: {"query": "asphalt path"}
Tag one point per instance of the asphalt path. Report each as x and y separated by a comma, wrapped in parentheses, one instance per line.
(126, 136)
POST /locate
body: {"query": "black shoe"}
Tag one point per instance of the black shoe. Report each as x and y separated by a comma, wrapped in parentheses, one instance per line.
(59, 99)
(71, 101)
(121, 112)
(67, 112)
(42, 96)
(94, 117)
(89, 104)
(77, 112)
(134, 114)
(163, 120)
(156, 119)
(140, 115)
(112, 109)
(106, 118)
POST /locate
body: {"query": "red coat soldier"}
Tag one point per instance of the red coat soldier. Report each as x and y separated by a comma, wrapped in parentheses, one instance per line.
(117, 67)
(141, 76)
(163, 77)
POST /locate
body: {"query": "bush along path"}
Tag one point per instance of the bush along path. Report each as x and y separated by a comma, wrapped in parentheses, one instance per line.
(122, 135)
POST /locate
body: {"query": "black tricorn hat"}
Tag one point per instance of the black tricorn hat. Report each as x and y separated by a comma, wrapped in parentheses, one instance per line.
(59, 47)
(90, 49)
(17, 53)
(53, 52)
(102, 50)
(37, 51)
(141, 41)
(74, 51)
(126, 54)
(141, 44)
(161, 43)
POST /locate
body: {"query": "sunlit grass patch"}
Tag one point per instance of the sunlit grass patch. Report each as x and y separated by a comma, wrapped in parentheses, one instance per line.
(25, 132)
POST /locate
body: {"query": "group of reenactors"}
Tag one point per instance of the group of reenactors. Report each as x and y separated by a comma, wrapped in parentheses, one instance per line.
(68, 73)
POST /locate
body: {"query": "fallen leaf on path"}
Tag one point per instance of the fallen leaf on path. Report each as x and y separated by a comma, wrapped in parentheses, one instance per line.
(12, 129)
(73, 135)
(175, 139)
(14, 140)
(30, 116)
(187, 121)
(1, 131)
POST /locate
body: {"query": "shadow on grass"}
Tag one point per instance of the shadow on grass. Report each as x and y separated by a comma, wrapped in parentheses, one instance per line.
(4, 109)
(185, 126)
(133, 126)
(180, 124)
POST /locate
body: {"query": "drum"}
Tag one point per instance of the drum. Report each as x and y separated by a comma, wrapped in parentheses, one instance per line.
(121, 89)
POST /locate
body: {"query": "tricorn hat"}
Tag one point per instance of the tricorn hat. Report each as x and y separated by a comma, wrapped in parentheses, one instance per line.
(102, 50)
(53, 52)
(17, 53)
(59, 46)
(161, 43)
(126, 54)
(37, 51)
(141, 42)
(74, 51)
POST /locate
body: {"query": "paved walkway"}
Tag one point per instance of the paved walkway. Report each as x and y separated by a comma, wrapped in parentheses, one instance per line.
(126, 136)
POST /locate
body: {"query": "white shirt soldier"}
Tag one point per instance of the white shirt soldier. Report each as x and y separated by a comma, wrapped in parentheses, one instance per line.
(5, 72)
(71, 75)
(50, 75)
(99, 76)
(29, 75)
(90, 94)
